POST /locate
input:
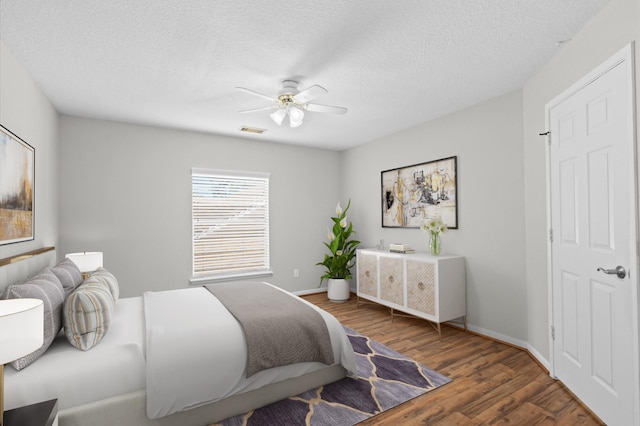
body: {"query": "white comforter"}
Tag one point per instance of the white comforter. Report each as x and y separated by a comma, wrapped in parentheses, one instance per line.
(196, 352)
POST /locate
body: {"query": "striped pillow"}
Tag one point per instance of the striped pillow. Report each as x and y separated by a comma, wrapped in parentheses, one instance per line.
(46, 287)
(68, 274)
(87, 313)
(109, 280)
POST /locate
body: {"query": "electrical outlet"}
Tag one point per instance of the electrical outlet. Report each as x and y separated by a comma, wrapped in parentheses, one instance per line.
(296, 273)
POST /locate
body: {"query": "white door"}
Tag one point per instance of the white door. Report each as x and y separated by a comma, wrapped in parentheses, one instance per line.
(592, 212)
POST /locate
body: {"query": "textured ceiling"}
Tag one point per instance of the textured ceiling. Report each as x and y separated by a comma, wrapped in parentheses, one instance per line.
(176, 63)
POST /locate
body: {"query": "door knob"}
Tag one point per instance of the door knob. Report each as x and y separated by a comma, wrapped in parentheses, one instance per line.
(619, 271)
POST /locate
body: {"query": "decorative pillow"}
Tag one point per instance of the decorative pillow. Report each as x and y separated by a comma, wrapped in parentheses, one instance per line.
(68, 274)
(109, 280)
(47, 287)
(87, 313)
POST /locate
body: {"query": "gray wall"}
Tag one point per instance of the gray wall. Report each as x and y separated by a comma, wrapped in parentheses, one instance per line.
(608, 32)
(125, 190)
(487, 139)
(26, 111)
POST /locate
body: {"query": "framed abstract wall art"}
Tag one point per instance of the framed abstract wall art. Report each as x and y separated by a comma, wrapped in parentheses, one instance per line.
(17, 182)
(413, 193)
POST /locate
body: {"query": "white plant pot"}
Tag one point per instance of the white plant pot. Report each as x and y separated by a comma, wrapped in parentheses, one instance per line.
(338, 290)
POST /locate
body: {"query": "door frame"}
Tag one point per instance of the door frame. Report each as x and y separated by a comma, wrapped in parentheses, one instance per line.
(626, 56)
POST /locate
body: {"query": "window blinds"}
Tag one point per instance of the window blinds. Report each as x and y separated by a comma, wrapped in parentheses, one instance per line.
(230, 213)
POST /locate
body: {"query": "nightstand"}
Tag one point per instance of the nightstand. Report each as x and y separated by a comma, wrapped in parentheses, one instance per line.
(40, 414)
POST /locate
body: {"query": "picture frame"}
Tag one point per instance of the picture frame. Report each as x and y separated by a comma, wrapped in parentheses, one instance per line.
(17, 188)
(413, 193)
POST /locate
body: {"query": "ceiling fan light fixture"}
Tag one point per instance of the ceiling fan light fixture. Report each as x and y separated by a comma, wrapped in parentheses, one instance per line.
(278, 115)
(295, 116)
(293, 102)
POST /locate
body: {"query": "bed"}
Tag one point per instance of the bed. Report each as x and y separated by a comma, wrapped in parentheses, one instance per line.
(114, 381)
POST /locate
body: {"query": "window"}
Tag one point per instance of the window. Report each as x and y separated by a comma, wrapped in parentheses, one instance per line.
(230, 214)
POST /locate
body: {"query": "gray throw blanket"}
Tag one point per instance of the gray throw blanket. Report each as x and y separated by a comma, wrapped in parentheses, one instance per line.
(279, 329)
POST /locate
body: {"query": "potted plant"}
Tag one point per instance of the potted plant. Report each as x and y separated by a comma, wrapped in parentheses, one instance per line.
(340, 260)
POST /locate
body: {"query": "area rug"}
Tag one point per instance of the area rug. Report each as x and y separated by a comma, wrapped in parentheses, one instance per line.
(385, 379)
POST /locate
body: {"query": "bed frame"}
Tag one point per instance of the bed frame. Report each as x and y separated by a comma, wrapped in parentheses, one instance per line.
(130, 409)
(16, 269)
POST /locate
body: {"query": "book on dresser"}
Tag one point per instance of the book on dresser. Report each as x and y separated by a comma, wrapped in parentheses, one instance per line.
(400, 248)
(419, 284)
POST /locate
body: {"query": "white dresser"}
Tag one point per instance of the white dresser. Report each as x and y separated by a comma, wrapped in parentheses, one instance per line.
(425, 286)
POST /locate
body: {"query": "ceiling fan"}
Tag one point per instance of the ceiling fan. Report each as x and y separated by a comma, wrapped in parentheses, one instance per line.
(292, 102)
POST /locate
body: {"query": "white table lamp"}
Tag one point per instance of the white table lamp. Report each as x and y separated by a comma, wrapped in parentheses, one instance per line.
(21, 332)
(87, 261)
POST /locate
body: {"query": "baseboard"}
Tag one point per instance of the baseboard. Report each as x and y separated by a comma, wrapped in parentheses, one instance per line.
(503, 338)
(312, 291)
(507, 340)
(315, 291)
(542, 361)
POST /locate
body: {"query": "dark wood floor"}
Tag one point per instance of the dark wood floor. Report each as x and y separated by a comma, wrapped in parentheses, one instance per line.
(493, 383)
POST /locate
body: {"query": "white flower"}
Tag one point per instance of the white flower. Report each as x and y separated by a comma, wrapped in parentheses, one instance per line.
(338, 252)
(330, 235)
(338, 209)
(343, 222)
(434, 225)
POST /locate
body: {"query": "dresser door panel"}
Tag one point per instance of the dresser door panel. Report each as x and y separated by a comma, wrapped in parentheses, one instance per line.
(421, 287)
(391, 280)
(368, 274)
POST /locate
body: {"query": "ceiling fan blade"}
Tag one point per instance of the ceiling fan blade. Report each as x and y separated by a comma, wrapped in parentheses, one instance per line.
(257, 109)
(326, 108)
(252, 92)
(310, 93)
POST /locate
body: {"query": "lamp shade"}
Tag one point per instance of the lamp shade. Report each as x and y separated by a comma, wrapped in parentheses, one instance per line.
(87, 261)
(278, 115)
(21, 328)
(295, 116)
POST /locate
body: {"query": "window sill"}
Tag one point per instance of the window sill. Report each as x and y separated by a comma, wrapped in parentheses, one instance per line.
(235, 277)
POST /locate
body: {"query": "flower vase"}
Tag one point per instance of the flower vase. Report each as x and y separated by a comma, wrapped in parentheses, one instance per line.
(434, 243)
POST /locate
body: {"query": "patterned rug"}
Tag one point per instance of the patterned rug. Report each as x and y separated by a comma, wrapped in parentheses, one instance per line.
(385, 379)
